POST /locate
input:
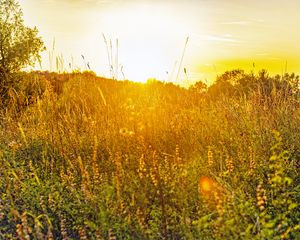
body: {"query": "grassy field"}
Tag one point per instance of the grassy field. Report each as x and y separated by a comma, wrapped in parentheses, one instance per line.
(82, 157)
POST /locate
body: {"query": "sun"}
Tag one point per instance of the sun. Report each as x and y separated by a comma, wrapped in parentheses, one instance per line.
(150, 40)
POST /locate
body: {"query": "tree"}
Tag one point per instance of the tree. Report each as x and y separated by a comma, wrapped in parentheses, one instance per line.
(198, 87)
(19, 45)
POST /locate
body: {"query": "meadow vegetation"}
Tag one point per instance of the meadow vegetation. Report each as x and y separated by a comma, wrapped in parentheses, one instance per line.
(83, 157)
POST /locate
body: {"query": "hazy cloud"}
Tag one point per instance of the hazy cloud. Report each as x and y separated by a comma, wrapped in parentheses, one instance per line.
(81, 3)
(219, 38)
(236, 23)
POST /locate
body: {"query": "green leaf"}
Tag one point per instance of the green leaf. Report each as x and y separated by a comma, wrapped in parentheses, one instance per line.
(288, 180)
(269, 225)
(293, 206)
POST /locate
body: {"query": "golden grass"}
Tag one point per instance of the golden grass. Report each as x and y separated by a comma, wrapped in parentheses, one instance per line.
(93, 158)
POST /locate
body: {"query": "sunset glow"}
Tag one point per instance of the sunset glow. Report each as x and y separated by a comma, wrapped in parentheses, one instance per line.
(149, 119)
(222, 35)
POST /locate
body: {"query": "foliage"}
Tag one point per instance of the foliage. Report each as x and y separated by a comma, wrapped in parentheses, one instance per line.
(237, 83)
(199, 87)
(19, 45)
(94, 158)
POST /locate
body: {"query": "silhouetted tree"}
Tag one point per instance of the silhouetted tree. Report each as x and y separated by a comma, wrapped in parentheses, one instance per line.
(237, 83)
(19, 45)
(225, 84)
(198, 87)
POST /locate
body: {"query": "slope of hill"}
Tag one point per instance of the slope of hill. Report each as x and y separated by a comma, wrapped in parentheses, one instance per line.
(83, 157)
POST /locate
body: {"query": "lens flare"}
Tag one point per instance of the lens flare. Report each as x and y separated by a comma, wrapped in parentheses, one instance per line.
(206, 185)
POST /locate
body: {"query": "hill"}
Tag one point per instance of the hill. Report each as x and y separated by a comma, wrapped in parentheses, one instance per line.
(84, 157)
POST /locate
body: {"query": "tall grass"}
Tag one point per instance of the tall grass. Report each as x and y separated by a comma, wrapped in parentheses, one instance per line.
(93, 158)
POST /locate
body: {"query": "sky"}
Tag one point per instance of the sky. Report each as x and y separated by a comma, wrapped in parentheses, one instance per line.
(170, 40)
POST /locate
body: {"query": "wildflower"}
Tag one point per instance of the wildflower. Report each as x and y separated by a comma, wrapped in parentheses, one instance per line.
(229, 164)
(13, 144)
(210, 157)
(131, 133)
(111, 235)
(123, 131)
(212, 193)
(261, 197)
